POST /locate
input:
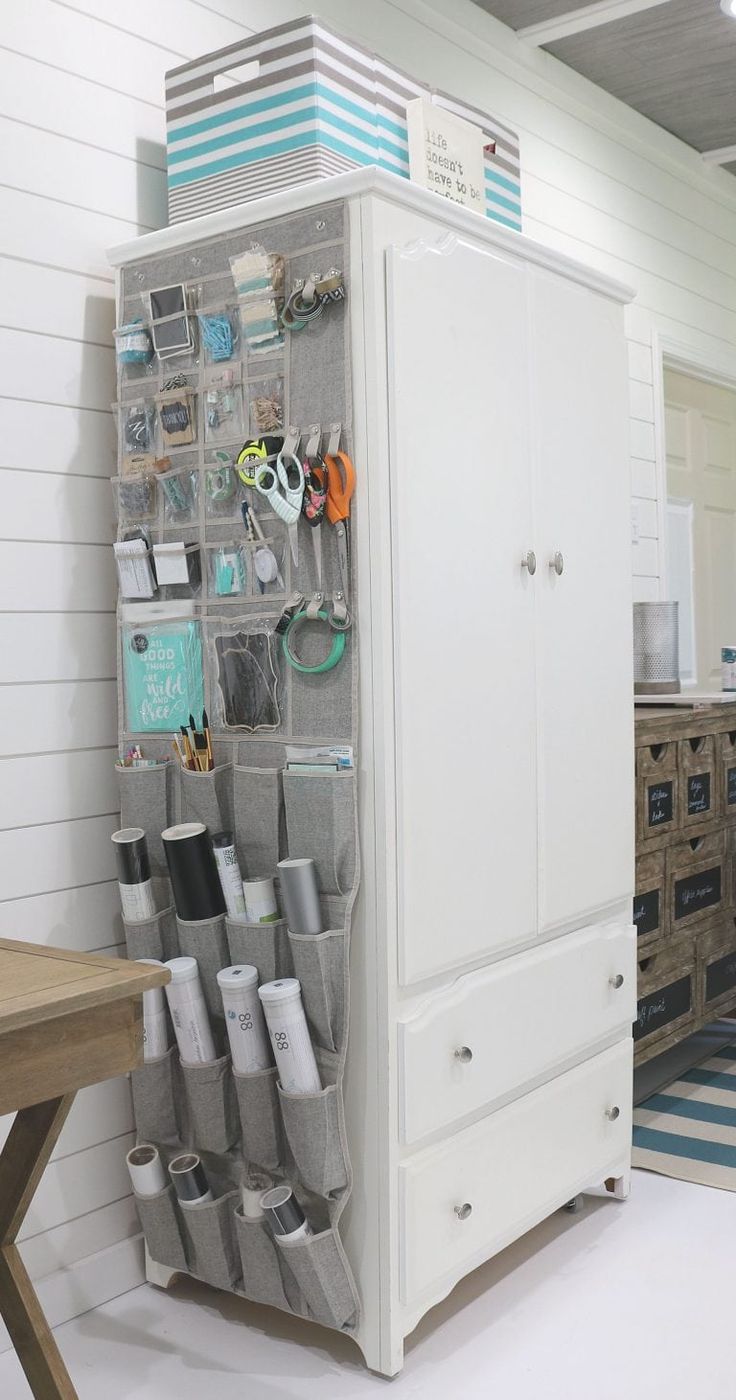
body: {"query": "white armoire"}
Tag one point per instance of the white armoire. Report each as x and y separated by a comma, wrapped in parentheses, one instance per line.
(492, 963)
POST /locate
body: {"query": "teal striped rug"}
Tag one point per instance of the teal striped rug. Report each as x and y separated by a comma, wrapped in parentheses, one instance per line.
(688, 1130)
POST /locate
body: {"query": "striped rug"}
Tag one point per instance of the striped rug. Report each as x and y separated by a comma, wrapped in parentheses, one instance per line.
(688, 1129)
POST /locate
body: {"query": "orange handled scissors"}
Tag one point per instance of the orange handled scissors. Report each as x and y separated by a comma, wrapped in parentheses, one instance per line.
(340, 490)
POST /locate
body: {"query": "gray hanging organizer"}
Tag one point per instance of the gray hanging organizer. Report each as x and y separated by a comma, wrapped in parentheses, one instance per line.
(239, 1123)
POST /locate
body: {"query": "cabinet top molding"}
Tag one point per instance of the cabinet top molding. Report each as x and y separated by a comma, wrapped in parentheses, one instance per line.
(355, 183)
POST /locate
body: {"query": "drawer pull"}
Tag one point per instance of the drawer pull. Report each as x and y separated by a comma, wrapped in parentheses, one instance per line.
(464, 1054)
(616, 981)
(462, 1212)
(613, 1113)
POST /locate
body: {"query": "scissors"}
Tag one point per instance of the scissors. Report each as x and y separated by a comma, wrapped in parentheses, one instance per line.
(340, 489)
(289, 475)
(313, 505)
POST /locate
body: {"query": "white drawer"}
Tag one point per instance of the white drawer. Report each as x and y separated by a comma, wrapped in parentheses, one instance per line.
(500, 1030)
(511, 1170)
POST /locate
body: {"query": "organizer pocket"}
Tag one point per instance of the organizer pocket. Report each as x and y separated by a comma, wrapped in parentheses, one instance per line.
(156, 1094)
(321, 1270)
(260, 1120)
(160, 1226)
(145, 801)
(267, 1277)
(319, 964)
(208, 798)
(312, 1124)
(213, 1114)
(320, 823)
(258, 805)
(209, 1230)
(264, 946)
(154, 937)
(205, 940)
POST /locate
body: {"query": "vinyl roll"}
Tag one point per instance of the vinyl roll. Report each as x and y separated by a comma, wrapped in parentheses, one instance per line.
(131, 855)
(193, 870)
(189, 1179)
(300, 895)
(285, 1215)
(147, 1173)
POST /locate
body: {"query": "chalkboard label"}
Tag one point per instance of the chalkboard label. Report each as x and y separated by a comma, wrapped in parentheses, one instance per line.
(731, 786)
(698, 794)
(661, 1007)
(660, 804)
(697, 892)
(646, 911)
(720, 977)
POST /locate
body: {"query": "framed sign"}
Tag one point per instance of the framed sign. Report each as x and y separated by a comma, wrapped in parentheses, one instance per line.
(446, 154)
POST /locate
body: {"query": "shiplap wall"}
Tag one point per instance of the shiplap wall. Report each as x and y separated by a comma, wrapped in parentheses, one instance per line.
(81, 162)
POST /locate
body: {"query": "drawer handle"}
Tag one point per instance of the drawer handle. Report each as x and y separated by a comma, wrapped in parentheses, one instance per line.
(464, 1054)
(462, 1212)
(613, 1113)
(529, 561)
(617, 981)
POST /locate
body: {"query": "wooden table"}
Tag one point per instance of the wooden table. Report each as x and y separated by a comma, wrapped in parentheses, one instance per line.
(66, 1020)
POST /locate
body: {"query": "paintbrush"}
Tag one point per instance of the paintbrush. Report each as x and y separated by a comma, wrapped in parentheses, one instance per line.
(208, 738)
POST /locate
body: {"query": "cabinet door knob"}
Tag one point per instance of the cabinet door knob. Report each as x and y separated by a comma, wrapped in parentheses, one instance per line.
(462, 1212)
(464, 1054)
(529, 561)
(613, 1113)
(616, 981)
(557, 562)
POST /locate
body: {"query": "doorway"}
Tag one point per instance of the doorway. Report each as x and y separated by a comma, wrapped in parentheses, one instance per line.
(700, 441)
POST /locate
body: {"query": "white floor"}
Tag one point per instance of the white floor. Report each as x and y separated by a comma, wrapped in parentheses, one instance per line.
(621, 1299)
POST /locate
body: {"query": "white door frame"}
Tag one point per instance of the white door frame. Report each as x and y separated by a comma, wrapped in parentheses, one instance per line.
(716, 367)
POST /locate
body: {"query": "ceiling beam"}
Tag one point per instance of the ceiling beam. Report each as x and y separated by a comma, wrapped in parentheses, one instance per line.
(723, 156)
(588, 17)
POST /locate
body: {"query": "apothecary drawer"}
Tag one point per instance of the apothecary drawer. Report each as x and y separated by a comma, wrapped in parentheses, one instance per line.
(657, 790)
(698, 883)
(667, 992)
(650, 899)
(502, 1029)
(727, 761)
(465, 1199)
(716, 948)
(698, 781)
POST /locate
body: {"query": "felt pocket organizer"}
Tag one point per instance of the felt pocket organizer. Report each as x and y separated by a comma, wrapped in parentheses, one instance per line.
(260, 1119)
(263, 946)
(209, 1235)
(160, 1225)
(146, 801)
(313, 1131)
(320, 1268)
(213, 1116)
(320, 824)
(267, 1277)
(156, 1097)
(152, 938)
(258, 807)
(319, 962)
(206, 942)
(208, 798)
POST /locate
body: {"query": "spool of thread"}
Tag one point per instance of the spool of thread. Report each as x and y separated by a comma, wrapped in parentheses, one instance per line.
(251, 1192)
(189, 1013)
(193, 870)
(260, 901)
(155, 1020)
(146, 1170)
(189, 1179)
(134, 873)
(289, 1035)
(284, 1214)
(300, 895)
(246, 1028)
(231, 880)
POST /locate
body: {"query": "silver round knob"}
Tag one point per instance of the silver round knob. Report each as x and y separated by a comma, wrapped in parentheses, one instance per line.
(613, 1113)
(616, 981)
(462, 1212)
(464, 1054)
(529, 561)
(557, 563)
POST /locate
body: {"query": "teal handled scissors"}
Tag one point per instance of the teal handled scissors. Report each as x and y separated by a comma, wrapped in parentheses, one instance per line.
(340, 490)
(286, 502)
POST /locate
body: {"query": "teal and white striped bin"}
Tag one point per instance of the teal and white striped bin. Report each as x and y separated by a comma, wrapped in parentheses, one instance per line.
(309, 104)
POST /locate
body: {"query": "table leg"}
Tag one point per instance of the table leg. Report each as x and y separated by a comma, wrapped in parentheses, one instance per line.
(31, 1141)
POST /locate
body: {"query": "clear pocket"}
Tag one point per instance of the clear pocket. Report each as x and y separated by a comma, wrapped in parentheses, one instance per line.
(228, 570)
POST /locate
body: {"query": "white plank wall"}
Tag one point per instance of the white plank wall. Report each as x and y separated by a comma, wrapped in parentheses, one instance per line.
(81, 167)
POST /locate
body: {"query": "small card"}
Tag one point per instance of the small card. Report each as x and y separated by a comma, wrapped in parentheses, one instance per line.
(171, 562)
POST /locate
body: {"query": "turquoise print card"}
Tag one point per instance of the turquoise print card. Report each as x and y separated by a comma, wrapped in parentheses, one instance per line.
(162, 670)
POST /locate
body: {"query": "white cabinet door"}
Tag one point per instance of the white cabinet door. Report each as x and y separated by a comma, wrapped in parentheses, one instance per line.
(463, 605)
(584, 646)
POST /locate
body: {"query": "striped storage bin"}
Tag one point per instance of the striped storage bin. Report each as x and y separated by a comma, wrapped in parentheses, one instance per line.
(309, 104)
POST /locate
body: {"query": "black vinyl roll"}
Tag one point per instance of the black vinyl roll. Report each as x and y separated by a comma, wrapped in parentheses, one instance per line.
(194, 878)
